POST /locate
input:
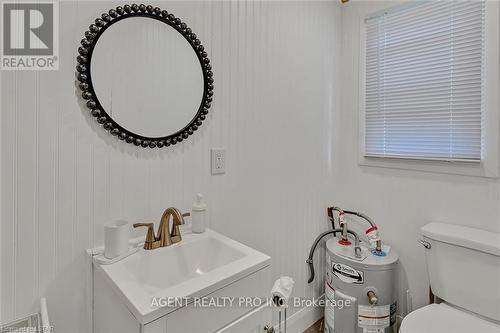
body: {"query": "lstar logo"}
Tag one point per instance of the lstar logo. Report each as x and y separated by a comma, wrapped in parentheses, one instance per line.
(30, 35)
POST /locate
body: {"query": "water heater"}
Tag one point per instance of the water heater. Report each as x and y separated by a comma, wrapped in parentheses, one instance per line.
(360, 290)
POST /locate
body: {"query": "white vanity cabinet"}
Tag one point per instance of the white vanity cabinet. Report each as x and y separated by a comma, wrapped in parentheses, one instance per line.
(112, 315)
(241, 319)
(229, 298)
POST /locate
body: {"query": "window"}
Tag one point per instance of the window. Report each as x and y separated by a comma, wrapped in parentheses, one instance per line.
(424, 81)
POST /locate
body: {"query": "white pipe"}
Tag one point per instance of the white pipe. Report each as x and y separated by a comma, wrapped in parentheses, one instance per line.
(44, 314)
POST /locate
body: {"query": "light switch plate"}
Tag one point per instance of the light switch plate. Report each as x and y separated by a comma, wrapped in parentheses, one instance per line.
(218, 161)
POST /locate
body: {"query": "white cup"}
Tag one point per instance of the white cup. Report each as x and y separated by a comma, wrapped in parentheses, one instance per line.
(116, 236)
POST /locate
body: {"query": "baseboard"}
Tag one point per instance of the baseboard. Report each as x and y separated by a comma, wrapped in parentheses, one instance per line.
(304, 318)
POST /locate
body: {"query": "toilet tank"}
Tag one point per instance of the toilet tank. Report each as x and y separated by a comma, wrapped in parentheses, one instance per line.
(464, 267)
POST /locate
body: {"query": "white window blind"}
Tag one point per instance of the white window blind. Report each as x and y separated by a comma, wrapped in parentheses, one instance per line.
(424, 79)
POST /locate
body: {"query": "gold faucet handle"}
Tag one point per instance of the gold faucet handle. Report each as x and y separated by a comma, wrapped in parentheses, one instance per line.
(150, 236)
(178, 219)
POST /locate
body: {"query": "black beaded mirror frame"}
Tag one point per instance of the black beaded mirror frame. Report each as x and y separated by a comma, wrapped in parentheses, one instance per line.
(84, 76)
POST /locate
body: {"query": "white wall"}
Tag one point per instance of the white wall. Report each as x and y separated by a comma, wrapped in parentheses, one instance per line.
(400, 201)
(285, 108)
(276, 68)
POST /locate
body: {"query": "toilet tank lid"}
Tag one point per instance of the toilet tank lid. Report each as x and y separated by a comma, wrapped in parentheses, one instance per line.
(476, 239)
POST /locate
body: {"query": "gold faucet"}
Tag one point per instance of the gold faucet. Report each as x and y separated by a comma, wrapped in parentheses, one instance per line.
(164, 237)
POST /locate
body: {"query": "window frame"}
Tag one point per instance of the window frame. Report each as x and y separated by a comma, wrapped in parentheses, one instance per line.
(489, 165)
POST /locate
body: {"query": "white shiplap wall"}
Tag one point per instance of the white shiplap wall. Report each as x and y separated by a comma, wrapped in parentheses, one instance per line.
(401, 201)
(63, 177)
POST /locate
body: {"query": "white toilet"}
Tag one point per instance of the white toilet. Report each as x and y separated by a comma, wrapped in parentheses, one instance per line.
(463, 265)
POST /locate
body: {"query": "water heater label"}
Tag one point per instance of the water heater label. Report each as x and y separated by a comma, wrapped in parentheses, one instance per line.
(376, 318)
(347, 273)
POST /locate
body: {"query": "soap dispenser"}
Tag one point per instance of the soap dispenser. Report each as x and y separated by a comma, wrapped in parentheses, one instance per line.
(199, 214)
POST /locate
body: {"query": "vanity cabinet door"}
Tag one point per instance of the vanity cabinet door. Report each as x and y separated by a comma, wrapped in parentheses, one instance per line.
(195, 319)
(252, 322)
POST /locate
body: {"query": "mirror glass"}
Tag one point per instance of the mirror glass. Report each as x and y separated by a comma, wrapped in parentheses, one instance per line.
(147, 77)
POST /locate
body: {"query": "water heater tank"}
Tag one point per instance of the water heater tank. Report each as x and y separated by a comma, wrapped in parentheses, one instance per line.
(361, 292)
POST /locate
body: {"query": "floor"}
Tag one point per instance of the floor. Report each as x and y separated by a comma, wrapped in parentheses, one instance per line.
(316, 327)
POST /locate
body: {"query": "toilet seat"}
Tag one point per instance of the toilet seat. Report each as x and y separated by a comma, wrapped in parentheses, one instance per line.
(443, 318)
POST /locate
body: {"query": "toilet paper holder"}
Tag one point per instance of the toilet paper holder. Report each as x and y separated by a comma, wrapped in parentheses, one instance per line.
(281, 291)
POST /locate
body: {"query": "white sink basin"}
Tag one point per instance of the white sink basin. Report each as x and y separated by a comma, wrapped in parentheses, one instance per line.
(195, 267)
(165, 267)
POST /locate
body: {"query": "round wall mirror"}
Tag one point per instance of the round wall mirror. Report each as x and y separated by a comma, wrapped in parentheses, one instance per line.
(145, 75)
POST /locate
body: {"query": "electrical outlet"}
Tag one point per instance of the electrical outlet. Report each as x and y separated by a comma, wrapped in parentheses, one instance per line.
(218, 161)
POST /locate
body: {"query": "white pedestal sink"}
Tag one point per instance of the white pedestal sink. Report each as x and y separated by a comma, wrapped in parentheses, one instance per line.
(157, 290)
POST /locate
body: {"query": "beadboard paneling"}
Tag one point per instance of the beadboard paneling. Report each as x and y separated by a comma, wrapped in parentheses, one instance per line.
(400, 201)
(63, 177)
